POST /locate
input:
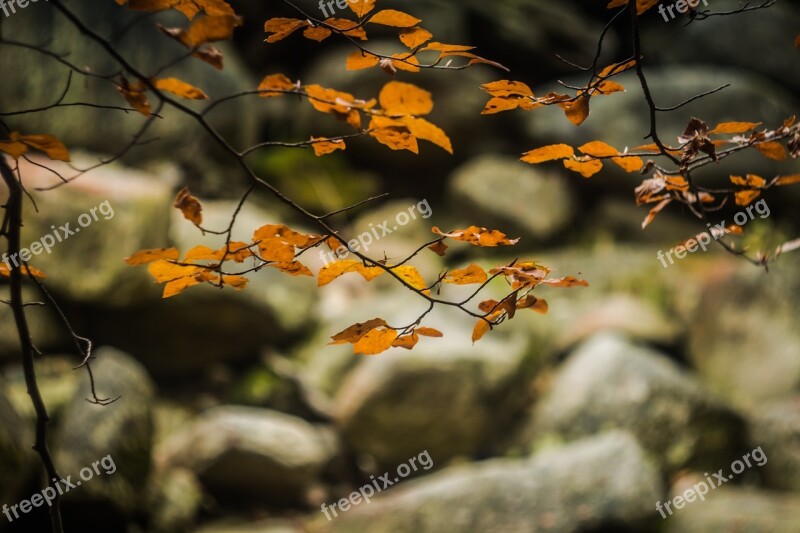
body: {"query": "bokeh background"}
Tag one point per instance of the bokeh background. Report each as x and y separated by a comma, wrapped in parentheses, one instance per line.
(235, 415)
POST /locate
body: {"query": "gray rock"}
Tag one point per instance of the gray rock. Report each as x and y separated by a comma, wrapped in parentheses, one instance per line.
(503, 192)
(486, 383)
(777, 429)
(741, 510)
(17, 460)
(175, 497)
(58, 383)
(118, 435)
(113, 212)
(744, 340)
(609, 383)
(604, 481)
(250, 454)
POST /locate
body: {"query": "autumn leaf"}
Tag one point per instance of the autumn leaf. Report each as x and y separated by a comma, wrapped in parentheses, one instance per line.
(359, 60)
(317, 33)
(506, 88)
(483, 326)
(323, 145)
(375, 341)
(422, 129)
(772, 150)
(50, 145)
(439, 248)
(428, 332)
(210, 29)
(734, 127)
(146, 256)
(330, 272)
(548, 153)
(398, 98)
(393, 134)
(272, 82)
(406, 341)
(295, 268)
(347, 27)
(211, 55)
(362, 8)
(281, 28)
(411, 275)
(788, 180)
(576, 111)
(587, 169)
(203, 253)
(414, 37)
(190, 206)
(654, 211)
(478, 236)
(391, 17)
(134, 94)
(180, 88)
(466, 276)
(533, 303)
(25, 270)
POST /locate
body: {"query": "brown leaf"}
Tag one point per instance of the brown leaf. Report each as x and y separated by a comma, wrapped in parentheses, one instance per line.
(190, 206)
(466, 276)
(478, 236)
(146, 256)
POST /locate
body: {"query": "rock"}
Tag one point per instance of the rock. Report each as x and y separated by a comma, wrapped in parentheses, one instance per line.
(777, 429)
(118, 436)
(205, 325)
(486, 382)
(245, 454)
(502, 192)
(175, 497)
(741, 510)
(604, 481)
(46, 330)
(106, 215)
(58, 381)
(17, 460)
(109, 131)
(609, 383)
(744, 340)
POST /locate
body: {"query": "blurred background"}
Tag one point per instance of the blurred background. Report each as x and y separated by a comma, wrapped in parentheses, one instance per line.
(235, 415)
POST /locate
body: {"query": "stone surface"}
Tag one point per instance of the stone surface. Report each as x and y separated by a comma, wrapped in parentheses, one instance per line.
(609, 383)
(502, 192)
(243, 454)
(604, 481)
(776, 428)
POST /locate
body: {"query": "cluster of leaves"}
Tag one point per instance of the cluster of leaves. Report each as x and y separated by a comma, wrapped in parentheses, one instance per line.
(280, 247)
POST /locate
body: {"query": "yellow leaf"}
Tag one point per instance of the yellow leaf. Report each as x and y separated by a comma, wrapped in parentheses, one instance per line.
(237, 282)
(189, 206)
(146, 256)
(323, 146)
(587, 169)
(506, 88)
(411, 275)
(629, 163)
(404, 62)
(392, 17)
(746, 197)
(548, 153)
(609, 87)
(24, 270)
(375, 342)
(598, 149)
(295, 268)
(354, 333)
(466, 276)
(406, 341)
(576, 111)
(180, 88)
(332, 271)
(428, 332)
(414, 37)
(203, 253)
(398, 98)
(348, 27)
(362, 7)
(329, 100)
(163, 271)
(498, 105)
(48, 144)
(395, 137)
(788, 180)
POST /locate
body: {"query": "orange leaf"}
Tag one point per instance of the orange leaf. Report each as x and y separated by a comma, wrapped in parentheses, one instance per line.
(135, 95)
(788, 180)
(439, 248)
(746, 197)
(281, 28)
(317, 33)
(548, 153)
(653, 212)
(398, 98)
(629, 163)
(411, 275)
(466, 276)
(330, 272)
(15, 149)
(323, 145)
(422, 129)
(533, 303)
(773, 150)
(414, 37)
(393, 134)
(145, 256)
(180, 88)
(275, 82)
(735, 127)
(498, 105)
(203, 253)
(375, 342)
(392, 17)
(568, 281)
(359, 60)
(48, 144)
(576, 111)
(478, 236)
(598, 149)
(406, 341)
(295, 268)
(428, 332)
(237, 282)
(506, 88)
(587, 169)
(24, 270)
(190, 206)
(354, 333)
(362, 7)
(209, 29)
(348, 27)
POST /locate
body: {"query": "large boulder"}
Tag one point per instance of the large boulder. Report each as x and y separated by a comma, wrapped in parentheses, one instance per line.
(17, 460)
(604, 483)
(245, 454)
(777, 429)
(106, 448)
(744, 339)
(45, 329)
(610, 383)
(502, 192)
